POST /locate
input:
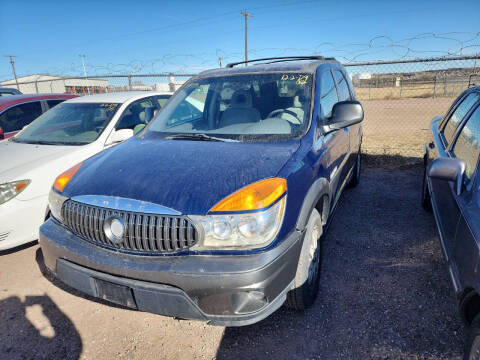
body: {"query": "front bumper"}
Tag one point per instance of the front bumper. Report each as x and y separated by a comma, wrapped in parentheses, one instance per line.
(228, 290)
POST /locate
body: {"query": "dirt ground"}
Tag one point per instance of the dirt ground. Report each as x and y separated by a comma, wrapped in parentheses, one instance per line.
(400, 126)
(384, 294)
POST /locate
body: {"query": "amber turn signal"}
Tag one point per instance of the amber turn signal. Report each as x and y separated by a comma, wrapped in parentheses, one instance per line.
(62, 180)
(256, 196)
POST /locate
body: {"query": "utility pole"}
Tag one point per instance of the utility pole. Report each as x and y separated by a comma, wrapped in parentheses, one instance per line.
(84, 70)
(219, 61)
(13, 69)
(246, 15)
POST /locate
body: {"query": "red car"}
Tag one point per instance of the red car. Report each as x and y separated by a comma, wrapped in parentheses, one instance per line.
(17, 111)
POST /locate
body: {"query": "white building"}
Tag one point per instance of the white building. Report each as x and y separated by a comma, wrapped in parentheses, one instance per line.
(361, 76)
(39, 83)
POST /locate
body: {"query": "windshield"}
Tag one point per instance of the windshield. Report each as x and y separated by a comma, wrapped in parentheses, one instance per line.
(69, 124)
(253, 107)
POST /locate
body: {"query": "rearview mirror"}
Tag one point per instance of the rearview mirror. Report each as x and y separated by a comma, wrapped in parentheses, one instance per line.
(344, 113)
(119, 136)
(448, 169)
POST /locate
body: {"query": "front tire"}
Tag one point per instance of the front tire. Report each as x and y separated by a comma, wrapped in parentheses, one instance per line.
(306, 282)
(472, 347)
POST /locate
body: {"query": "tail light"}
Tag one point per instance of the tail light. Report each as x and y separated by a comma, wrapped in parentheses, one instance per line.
(1, 134)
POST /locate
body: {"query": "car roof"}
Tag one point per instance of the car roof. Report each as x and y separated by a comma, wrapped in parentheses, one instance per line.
(7, 89)
(6, 101)
(117, 97)
(287, 66)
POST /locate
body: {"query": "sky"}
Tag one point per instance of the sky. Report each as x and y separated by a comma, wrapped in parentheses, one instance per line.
(187, 36)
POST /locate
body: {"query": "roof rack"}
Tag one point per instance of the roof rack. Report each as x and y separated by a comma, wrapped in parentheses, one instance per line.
(281, 59)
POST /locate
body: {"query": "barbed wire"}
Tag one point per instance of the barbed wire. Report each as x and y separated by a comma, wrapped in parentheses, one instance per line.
(378, 47)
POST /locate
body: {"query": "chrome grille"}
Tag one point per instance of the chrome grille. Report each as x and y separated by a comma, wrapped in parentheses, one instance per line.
(146, 233)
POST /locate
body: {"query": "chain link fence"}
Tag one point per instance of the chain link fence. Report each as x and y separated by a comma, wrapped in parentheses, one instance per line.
(399, 97)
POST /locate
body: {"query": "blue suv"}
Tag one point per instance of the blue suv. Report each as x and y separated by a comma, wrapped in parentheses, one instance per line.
(215, 210)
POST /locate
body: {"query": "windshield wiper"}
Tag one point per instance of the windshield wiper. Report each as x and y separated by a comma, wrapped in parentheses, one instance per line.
(197, 137)
(42, 142)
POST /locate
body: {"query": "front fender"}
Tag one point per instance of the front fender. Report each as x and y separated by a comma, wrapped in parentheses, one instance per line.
(319, 189)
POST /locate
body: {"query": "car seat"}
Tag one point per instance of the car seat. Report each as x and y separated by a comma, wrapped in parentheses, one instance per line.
(298, 108)
(240, 110)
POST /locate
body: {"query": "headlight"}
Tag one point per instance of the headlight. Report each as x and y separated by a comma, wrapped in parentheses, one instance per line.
(249, 218)
(9, 190)
(55, 203)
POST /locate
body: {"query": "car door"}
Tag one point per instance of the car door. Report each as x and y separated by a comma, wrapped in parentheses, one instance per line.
(17, 116)
(344, 95)
(444, 197)
(465, 248)
(337, 141)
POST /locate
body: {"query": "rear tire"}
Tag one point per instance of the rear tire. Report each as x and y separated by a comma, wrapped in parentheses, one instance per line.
(306, 282)
(472, 346)
(355, 179)
(426, 199)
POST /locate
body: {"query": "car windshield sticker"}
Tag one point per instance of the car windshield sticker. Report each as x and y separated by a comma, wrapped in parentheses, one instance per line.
(301, 79)
(109, 107)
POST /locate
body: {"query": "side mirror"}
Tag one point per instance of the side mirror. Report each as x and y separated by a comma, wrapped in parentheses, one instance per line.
(448, 169)
(119, 136)
(344, 113)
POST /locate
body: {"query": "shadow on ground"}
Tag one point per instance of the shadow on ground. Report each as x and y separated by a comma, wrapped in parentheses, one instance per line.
(36, 329)
(384, 293)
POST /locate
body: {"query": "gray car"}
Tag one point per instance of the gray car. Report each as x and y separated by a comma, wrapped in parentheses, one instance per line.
(451, 190)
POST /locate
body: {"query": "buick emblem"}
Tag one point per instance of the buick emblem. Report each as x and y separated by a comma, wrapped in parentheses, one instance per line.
(114, 229)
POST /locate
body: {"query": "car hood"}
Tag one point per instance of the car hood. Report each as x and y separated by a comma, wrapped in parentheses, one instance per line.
(188, 176)
(38, 163)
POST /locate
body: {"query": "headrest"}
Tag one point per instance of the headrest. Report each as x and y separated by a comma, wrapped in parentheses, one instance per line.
(241, 98)
(299, 99)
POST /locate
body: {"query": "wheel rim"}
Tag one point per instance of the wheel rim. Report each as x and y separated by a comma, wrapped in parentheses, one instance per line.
(475, 349)
(313, 256)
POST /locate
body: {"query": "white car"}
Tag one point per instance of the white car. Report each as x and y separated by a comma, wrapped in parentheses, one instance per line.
(60, 138)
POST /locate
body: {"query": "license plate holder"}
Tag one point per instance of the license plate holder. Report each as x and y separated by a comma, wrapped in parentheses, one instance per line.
(118, 294)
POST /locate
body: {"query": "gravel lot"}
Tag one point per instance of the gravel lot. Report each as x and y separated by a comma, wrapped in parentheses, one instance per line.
(385, 294)
(400, 126)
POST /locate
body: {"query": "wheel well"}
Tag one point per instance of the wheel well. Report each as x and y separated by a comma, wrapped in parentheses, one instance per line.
(470, 305)
(322, 207)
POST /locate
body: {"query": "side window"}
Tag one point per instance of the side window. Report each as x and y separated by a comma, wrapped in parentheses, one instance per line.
(161, 100)
(343, 93)
(134, 114)
(52, 103)
(328, 94)
(467, 145)
(191, 108)
(457, 116)
(18, 116)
